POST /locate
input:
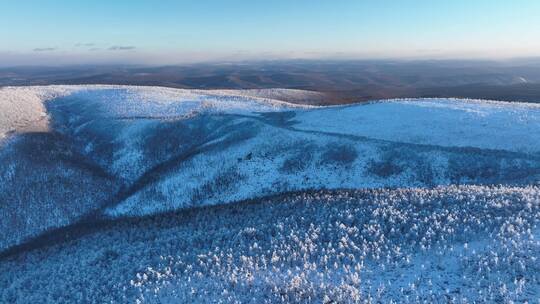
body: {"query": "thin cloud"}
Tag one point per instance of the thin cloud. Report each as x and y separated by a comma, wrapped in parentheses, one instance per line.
(85, 44)
(121, 48)
(48, 49)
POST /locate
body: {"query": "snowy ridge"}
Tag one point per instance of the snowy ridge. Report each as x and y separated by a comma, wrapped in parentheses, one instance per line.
(443, 122)
(291, 95)
(23, 107)
(456, 101)
(175, 148)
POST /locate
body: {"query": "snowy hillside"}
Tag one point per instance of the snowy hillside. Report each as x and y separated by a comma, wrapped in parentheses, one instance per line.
(87, 166)
(22, 107)
(442, 122)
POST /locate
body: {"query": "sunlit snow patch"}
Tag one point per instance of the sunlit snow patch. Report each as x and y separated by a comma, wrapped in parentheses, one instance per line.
(443, 122)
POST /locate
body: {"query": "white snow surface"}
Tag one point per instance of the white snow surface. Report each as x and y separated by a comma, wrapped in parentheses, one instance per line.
(21, 107)
(292, 95)
(513, 127)
(461, 244)
(444, 122)
(419, 235)
(157, 102)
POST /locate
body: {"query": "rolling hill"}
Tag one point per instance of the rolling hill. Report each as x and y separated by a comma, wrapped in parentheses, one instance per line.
(168, 194)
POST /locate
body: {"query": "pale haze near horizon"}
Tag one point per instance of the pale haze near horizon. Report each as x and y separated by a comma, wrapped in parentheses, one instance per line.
(170, 32)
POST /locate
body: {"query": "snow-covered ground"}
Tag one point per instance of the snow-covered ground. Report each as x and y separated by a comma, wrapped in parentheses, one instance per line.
(434, 223)
(443, 122)
(21, 108)
(271, 160)
(466, 244)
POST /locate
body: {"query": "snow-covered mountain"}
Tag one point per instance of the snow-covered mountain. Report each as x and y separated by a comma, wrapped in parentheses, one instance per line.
(73, 156)
(22, 107)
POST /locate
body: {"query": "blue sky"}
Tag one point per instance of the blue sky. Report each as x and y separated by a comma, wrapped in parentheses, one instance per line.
(137, 31)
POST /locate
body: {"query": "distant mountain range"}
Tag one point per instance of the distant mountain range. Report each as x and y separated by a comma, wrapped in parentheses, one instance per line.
(342, 81)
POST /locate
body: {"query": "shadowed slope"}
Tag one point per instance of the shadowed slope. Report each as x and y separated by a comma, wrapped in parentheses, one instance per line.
(148, 150)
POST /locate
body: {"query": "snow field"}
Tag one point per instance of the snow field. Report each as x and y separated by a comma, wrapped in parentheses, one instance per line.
(443, 122)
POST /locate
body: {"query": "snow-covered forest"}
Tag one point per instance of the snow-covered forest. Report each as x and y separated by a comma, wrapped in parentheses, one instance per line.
(153, 195)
